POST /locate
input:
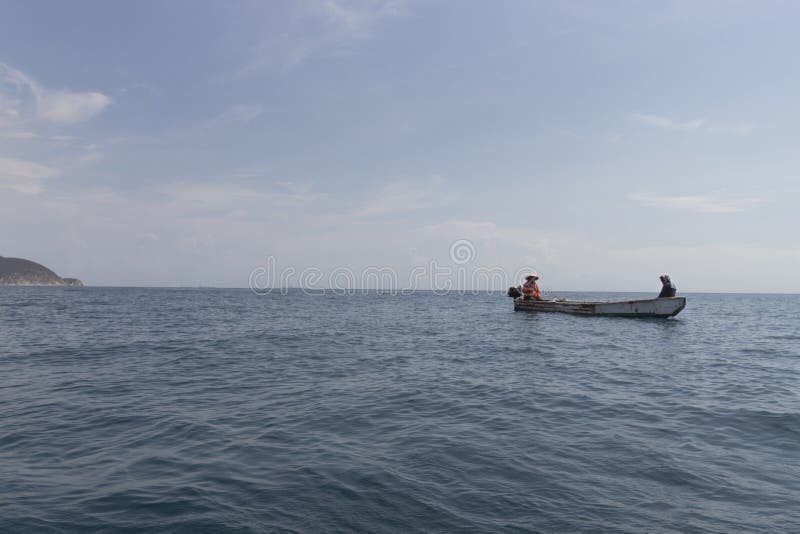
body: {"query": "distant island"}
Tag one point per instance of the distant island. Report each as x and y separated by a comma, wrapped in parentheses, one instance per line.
(20, 272)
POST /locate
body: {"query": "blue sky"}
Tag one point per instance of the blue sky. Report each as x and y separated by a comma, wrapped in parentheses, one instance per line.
(601, 143)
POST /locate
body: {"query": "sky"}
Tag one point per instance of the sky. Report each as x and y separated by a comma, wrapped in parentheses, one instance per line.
(188, 143)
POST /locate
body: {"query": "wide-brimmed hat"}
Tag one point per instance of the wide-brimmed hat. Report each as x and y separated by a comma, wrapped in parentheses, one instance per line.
(532, 275)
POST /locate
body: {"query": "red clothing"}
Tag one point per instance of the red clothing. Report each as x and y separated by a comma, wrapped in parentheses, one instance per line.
(530, 289)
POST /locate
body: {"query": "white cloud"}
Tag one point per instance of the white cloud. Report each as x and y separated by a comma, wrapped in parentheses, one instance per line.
(668, 123)
(24, 176)
(356, 16)
(190, 234)
(9, 105)
(314, 29)
(235, 116)
(21, 94)
(739, 128)
(66, 107)
(708, 267)
(19, 135)
(507, 244)
(219, 201)
(406, 196)
(133, 140)
(698, 203)
(665, 122)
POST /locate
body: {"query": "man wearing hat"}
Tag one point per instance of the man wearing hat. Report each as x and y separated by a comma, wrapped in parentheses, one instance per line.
(530, 289)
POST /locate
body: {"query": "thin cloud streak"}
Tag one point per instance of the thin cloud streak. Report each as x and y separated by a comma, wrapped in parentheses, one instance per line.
(698, 204)
(668, 123)
(332, 27)
(235, 116)
(357, 16)
(19, 135)
(740, 128)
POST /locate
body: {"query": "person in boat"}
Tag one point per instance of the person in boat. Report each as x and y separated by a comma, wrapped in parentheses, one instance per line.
(668, 289)
(530, 289)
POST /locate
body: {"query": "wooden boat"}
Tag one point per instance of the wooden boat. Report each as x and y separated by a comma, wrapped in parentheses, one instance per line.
(663, 307)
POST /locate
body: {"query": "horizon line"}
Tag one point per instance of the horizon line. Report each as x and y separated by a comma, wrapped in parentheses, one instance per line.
(401, 291)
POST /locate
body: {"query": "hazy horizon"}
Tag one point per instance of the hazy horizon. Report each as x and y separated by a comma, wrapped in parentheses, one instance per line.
(183, 144)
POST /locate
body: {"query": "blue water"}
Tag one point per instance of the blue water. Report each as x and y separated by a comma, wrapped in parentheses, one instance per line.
(127, 410)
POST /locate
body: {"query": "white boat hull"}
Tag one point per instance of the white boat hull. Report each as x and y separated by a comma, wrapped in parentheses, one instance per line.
(665, 307)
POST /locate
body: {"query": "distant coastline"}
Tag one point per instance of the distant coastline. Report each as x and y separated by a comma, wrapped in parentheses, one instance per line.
(22, 272)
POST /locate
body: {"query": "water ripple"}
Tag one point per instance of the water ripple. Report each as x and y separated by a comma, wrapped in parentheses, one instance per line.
(128, 410)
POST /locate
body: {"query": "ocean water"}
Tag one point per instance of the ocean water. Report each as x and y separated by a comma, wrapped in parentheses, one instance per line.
(157, 410)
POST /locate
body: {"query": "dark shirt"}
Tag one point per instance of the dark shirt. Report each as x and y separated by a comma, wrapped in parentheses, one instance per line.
(668, 290)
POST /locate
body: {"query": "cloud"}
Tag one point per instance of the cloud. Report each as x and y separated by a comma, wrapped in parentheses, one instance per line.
(740, 128)
(406, 196)
(668, 123)
(19, 135)
(66, 107)
(356, 16)
(235, 116)
(213, 234)
(133, 140)
(530, 244)
(24, 176)
(315, 29)
(173, 234)
(25, 136)
(21, 95)
(9, 105)
(699, 204)
(232, 201)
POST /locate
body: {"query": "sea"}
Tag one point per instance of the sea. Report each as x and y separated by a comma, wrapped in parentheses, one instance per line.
(220, 410)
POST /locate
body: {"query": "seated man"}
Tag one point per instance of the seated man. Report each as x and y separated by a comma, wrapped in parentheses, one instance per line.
(530, 289)
(668, 289)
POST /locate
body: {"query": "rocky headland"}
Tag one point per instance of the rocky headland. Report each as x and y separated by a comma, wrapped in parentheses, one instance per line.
(20, 272)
